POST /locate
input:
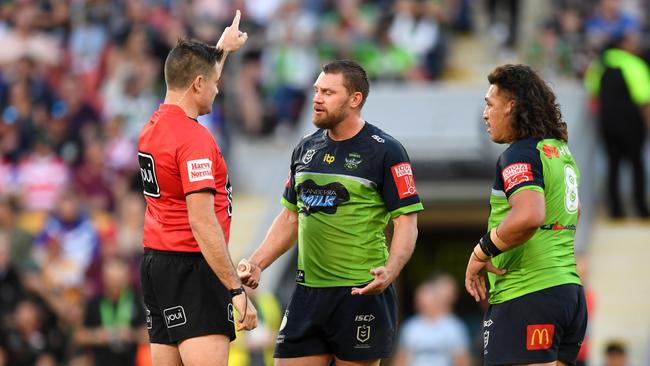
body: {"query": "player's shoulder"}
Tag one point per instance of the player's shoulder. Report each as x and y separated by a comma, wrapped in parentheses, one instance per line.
(381, 139)
(521, 148)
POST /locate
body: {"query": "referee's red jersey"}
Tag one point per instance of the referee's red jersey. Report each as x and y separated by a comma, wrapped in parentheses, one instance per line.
(178, 156)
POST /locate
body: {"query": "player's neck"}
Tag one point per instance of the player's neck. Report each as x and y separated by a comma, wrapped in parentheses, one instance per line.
(347, 129)
(180, 99)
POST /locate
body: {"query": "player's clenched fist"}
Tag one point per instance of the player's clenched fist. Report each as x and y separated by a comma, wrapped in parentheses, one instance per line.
(249, 273)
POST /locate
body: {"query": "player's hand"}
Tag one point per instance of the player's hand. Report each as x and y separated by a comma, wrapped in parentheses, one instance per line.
(249, 273)
(247, 318)
(475, 276)
(383, 279)
(232, 38)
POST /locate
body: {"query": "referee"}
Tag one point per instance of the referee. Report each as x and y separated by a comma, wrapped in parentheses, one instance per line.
(189, 283)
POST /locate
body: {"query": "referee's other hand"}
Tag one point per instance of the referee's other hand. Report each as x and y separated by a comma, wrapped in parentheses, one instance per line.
(232, 38)
(246, 311)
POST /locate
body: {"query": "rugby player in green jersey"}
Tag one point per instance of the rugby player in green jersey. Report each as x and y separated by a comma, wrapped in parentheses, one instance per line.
(346, 181)
(537, 313)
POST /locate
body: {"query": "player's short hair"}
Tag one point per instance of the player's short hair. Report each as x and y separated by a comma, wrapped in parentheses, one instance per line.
(355, 78)
(537, 113)
(189, 59)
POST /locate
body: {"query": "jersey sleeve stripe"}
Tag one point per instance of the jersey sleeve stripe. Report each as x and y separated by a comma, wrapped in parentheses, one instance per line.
(206, 189)
(406, 209)
(289, 205)
(530, 186)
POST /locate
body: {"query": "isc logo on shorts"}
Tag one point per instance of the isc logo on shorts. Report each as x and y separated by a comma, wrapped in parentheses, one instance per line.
(174, 316)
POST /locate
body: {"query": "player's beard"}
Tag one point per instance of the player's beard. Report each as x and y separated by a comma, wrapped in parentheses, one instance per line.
(330, 120)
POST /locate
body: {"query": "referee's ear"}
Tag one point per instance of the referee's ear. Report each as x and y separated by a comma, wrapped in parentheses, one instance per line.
(198, 83)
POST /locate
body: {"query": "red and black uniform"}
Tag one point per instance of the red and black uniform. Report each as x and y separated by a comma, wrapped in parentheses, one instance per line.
(178, 157)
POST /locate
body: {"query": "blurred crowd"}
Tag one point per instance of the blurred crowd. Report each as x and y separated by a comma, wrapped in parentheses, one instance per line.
(577, 31)
(79, 77)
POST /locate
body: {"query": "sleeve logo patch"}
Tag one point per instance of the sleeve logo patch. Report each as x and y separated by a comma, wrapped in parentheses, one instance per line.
(515, 174)
(550, 151)
(403, 177)
(200, 169)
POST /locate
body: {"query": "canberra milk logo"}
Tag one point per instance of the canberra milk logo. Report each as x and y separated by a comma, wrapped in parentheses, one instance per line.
(199, 169)
(317, 198)
(174, 316)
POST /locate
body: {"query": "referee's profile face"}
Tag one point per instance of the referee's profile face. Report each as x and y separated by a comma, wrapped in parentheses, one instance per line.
(208, 90)
(498, 115)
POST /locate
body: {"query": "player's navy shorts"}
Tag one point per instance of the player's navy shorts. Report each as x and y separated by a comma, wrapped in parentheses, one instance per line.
(183, 297)
(332, 321)
(539, 327)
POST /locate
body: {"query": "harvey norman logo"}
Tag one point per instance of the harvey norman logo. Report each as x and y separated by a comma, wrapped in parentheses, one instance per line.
(200, 169)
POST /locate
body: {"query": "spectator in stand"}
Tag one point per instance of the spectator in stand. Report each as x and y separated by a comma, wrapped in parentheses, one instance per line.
(615, 354)
(41, 177)
(416, 29)
(93, 180)
(67, 245)
(435, 336)
(115, 320)
(11, 289)
(290, 61)
(75, 118)
(20, 122)
(21, 241)
(609, 21)
(24, 40)
(346, 26)
(33, 338)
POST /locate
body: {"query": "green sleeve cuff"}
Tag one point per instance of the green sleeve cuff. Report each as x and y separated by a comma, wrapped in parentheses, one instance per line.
(289, 205)
(406, 209)
(530, 187)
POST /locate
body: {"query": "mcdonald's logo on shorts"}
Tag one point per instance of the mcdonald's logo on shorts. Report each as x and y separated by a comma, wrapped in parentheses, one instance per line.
(539, 336)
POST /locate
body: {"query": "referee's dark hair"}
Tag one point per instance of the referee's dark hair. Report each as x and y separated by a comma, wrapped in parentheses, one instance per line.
(355, 78)
(537, 113)
(188, 60)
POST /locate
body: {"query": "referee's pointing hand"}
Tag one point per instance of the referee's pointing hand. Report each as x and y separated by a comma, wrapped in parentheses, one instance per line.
(232, 38)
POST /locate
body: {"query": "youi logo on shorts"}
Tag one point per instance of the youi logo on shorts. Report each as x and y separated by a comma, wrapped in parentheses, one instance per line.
(174, 316)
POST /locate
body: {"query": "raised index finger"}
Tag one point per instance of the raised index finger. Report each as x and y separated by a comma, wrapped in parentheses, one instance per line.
(235, 21)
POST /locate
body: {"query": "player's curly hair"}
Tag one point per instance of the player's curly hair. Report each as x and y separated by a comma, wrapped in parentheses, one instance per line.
(537, 113)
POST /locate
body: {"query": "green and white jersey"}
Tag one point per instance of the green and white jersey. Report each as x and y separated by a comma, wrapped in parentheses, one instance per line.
(547, 259)
(345, 192)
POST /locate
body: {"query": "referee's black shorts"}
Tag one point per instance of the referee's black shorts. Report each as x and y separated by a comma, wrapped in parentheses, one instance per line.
(183, 297)
(332, 321)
